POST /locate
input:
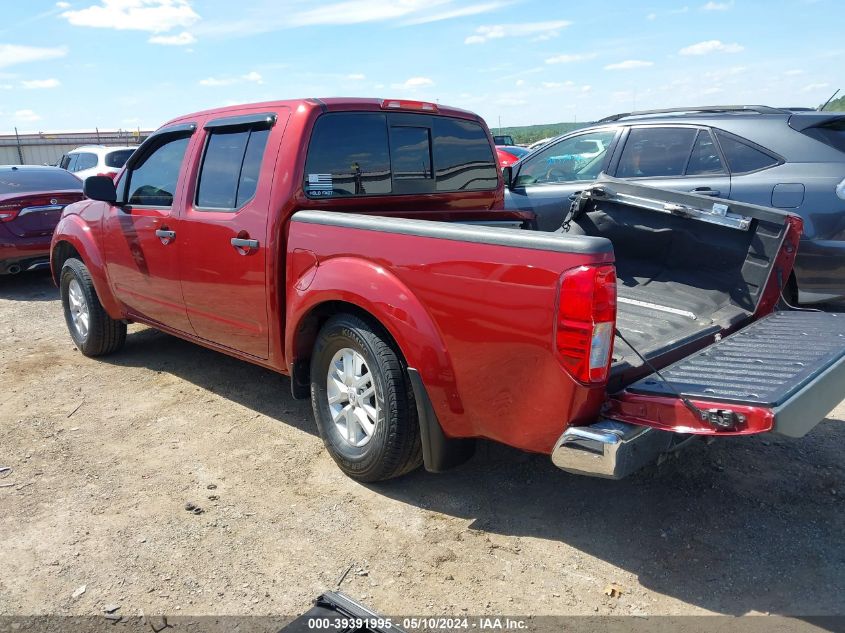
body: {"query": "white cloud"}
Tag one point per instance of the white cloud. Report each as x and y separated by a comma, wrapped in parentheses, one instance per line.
(717, 6)
(568, 59)
(11, 54)
(214, 82)
(26, 116)
(34, 84)
(794, 72)
(557, 84)
(356, 77)
(474, 9)
(511, 101)
(711, 46)
(360, 11)
(156, 16)
(629, 64)
(415, 82)
(182, 39)
(651, 16)
(63, 5)
(541, 30)
(814, 87)
(520, 82)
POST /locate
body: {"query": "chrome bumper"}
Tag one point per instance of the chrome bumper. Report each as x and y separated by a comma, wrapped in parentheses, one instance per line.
(608, 449)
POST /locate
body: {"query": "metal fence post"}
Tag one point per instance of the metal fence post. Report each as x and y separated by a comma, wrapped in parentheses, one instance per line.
(20, 151)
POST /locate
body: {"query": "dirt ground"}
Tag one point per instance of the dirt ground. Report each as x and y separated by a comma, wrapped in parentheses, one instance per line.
(106, 453)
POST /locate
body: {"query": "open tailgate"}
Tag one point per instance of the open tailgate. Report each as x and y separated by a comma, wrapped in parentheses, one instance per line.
(783, 373)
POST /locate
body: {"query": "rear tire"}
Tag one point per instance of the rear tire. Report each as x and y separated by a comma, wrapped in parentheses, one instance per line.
(363, 402)
(93, 331)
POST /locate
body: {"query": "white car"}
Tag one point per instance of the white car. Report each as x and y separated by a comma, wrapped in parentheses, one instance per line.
(95, 160)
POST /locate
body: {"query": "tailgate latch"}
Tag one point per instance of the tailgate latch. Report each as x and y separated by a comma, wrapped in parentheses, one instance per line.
(724, 418)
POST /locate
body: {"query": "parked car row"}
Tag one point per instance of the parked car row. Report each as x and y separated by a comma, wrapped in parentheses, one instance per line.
(361, 248)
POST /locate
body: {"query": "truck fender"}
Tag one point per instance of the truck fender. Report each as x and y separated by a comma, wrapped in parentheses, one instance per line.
(370, 288)
(74, 234)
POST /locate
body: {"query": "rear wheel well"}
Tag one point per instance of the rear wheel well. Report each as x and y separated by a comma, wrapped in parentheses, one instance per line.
(306, 335)
(61, 253)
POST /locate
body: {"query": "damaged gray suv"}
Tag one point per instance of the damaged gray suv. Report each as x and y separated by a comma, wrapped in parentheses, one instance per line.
(783, 158)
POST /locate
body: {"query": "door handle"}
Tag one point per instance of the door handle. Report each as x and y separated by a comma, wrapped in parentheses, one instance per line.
(706, 191)
(165, 235)
(244, 245)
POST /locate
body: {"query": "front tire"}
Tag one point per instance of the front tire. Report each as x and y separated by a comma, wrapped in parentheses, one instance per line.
(93, 331)
(363, 402)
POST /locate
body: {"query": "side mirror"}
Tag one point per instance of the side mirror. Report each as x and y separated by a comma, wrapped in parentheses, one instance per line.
(507, 175)
(100, 188)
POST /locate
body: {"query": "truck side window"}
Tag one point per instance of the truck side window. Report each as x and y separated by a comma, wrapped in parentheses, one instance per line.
(153, 182)
(348, 156)
(463, 158)
(229, 173)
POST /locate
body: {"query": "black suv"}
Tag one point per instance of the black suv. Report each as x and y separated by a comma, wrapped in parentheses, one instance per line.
(791, 159)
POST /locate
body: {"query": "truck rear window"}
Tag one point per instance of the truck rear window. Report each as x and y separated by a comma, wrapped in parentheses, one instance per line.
(832, 133)
(364, 154)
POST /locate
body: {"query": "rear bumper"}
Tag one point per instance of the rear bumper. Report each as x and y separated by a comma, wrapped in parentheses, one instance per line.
(820, 271)
(26, 253)
(608, 448)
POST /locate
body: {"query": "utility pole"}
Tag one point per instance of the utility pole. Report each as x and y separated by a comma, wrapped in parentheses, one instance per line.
(500, 124)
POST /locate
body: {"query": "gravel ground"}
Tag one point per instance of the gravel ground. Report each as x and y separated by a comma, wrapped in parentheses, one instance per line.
(105, 455)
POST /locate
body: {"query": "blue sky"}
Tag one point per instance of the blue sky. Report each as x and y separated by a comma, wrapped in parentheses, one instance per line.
(77, 64)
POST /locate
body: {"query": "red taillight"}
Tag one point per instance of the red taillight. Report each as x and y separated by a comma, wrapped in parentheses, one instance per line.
(9, 211)
(406, 104)
(586, 320)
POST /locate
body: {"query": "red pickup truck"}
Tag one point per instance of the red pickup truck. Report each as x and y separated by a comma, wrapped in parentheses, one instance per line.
(360, 247)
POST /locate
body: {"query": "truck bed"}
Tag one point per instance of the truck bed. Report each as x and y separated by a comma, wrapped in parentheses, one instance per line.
(684, 273)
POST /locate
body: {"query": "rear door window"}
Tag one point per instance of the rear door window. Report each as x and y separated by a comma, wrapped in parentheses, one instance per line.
(705, 159)
(742, 157)
(229, 173)
(656, 152)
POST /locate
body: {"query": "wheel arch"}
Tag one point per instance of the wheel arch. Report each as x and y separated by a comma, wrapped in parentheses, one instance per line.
(72, 238)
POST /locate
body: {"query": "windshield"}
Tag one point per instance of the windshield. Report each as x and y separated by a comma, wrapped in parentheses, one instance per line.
(25, 180)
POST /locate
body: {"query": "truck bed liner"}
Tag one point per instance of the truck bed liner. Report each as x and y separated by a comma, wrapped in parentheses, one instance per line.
(764, 364)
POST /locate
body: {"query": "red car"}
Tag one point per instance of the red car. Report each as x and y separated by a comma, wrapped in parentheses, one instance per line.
(510, 154)
(31, 201)
(359, 247)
